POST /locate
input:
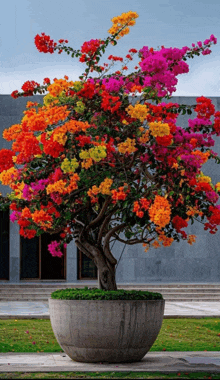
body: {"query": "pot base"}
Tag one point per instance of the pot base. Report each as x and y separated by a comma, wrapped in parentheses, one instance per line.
(113, 331)
(91, 355)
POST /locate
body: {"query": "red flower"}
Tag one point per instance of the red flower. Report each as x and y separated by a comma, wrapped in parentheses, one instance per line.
(179, 223)
(44, 43)
(204, 107)
(90, 47)
(216, 125)
(46, 81)
(83, 140)
(164, 140)
(6, 159)
(114, 58)
(63, 41)
(29, 86)
(82, 58)
(203, 186)
(14, 94)
(52, 148)
(88, 91)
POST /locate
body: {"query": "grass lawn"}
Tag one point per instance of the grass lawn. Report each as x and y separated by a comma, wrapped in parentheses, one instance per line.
(108, 375)
(36, 335)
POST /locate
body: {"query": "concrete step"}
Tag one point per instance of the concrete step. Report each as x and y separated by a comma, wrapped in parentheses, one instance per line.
(46, 289)
(145, 286)
(39, 297)
(171, 292)
(168, 299)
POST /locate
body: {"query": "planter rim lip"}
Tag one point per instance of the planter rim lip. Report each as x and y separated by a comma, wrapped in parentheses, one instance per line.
(59, 299)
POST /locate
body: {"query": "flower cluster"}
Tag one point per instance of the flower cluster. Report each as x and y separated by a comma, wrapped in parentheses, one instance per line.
(160, 211)
(140, 205)
(88, 152)
(125, 19)
(138, 111)
(44, 43)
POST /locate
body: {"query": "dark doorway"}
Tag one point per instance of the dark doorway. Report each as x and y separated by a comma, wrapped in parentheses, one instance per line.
(52, 268)
(30, 258)
(37, 262)
(4, 245)
(87, 270)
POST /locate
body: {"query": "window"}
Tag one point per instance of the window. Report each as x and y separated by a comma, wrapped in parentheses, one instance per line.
(87, 270)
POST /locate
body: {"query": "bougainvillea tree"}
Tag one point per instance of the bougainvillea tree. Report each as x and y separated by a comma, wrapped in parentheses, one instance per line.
(95, 167)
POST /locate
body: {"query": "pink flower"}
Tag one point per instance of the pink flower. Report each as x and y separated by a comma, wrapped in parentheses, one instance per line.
(206, 51)
(213, 39)
(53, 248)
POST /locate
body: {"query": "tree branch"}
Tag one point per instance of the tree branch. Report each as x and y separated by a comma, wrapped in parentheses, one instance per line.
(101, 214)
(110, 233)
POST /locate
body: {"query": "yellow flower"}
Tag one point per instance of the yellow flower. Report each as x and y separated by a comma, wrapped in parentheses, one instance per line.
(97, 153)
(80, 107)
(77, 86)
(104, 187)
(127, 147)
(159, 129)
(48, 99)
(139, 111)
(120, 21)
(144, 138)
(60, 138)
(18, 192)
(7, 177)
(217, 186)
(84, 154)
(69, 166)
(204, 178)
(56, 187)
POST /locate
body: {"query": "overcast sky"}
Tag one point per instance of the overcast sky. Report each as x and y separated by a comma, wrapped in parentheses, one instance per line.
(172, 23)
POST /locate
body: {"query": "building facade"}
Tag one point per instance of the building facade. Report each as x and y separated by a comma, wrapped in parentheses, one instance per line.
(24, 260)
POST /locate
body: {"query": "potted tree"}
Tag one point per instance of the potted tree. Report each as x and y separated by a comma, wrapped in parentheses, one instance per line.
(94, 167)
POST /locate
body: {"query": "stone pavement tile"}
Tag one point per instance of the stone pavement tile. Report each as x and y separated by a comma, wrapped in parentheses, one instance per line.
(188, 309)
(168, 362)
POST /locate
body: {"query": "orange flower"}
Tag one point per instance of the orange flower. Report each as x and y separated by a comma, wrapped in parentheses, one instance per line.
(156, 244)
(202, 155)
(26, 213)
(160, 211)
(42, 218)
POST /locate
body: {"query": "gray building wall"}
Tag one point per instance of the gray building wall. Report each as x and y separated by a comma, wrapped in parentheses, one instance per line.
(199, 263)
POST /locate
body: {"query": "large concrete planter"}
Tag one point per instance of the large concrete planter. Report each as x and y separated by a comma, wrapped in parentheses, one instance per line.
(106, 330)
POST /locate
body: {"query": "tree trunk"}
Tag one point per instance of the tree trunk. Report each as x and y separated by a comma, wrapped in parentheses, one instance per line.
(106, 275)
(104, 262)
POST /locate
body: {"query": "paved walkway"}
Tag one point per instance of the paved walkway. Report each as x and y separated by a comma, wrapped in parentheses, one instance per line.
(17, 309)
(166, 362)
